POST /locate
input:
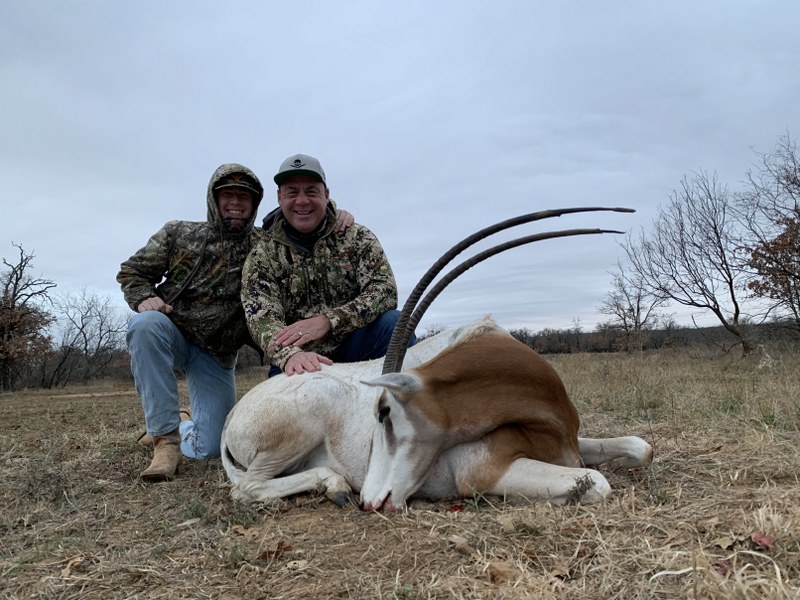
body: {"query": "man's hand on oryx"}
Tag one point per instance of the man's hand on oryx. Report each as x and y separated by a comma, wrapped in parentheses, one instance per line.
(305, 362)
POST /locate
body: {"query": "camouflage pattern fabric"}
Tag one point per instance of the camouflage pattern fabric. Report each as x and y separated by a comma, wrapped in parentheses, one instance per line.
(201, 263)
(347, 278)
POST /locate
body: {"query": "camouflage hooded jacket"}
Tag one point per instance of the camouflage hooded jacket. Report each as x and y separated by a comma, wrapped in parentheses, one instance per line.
(346, 277)
(196, 267)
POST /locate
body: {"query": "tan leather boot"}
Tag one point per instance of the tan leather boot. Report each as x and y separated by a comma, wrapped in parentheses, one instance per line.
(165, 459)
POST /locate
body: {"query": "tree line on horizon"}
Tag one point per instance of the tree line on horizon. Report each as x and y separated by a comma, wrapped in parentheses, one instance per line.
(733, 254)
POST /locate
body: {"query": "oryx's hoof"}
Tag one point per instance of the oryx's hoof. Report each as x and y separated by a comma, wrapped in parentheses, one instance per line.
(340, 498)
(335, 488)
(237, 495)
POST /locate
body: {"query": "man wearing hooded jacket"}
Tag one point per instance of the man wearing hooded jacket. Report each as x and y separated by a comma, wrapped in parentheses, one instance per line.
(184, 286)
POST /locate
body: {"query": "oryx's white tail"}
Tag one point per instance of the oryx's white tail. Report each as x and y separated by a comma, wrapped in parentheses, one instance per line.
(233, 472)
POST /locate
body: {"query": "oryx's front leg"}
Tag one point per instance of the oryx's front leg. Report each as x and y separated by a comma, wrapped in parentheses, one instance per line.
(629, 452)
(535, 480)
(260, 485)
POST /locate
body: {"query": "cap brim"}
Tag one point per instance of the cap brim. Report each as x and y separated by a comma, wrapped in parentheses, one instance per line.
(243, 186)
(281, 177)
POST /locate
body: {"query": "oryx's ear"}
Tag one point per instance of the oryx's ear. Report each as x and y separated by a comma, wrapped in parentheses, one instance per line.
(403, 383)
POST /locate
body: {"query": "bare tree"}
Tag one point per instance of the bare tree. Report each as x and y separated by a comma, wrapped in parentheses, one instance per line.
(632, 306)
(770, 210)
(693, 256)
(23, 320)
(90, 333)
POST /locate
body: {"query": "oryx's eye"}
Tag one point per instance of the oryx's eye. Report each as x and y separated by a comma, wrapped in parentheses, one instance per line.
(383, 413)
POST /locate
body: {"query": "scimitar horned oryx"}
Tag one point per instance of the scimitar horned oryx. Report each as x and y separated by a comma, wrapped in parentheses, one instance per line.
(469, 410)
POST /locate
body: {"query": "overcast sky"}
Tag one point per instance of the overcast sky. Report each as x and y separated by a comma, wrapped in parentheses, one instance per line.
(431, 119)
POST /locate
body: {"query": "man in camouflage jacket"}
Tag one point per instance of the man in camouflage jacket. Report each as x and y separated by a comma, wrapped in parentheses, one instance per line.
(311, 296)
(184, 285)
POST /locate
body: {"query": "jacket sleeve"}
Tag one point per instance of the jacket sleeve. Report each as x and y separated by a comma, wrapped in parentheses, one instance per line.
(139, 275)
(377, 287)
(263, 307)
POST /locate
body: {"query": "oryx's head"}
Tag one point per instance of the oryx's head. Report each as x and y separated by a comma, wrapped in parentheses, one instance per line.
(405, 443)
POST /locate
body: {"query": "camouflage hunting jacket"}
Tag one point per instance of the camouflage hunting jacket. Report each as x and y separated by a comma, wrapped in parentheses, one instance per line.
(345, 276)
(196, 267)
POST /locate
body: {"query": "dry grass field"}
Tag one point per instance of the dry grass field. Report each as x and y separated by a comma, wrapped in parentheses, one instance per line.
(716, 516)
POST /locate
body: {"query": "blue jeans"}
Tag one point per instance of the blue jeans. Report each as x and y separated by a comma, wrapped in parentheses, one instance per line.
(366, 343)
(157, 347)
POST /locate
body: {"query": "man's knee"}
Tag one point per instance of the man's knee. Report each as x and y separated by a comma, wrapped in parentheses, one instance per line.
(148, 319)
(383, 326)
(147, 323)
(201, 445)
(198, 451)
(386, 324)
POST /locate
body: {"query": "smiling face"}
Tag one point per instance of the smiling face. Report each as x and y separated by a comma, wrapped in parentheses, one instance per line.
(235, 206)
(303, 200)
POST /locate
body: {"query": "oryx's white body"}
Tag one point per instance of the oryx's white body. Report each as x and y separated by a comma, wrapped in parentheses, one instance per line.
(325, 430)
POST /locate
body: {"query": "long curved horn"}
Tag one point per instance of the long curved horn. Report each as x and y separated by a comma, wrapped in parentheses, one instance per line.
(401, 327)
(394, 363)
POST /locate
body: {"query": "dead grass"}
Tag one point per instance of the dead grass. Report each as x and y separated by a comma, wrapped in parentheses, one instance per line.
(716, 515)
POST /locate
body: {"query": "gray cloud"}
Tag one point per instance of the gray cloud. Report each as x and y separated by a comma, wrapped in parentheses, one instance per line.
(432, 120)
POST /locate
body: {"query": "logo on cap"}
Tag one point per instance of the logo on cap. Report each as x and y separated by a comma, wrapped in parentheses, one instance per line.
(298, 163)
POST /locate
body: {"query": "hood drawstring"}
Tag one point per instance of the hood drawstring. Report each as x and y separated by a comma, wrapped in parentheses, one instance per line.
(192, 273)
